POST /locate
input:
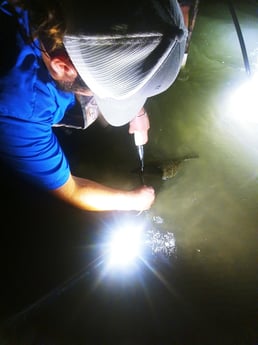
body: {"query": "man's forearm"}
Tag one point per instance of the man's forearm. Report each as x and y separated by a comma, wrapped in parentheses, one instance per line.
(92, 196)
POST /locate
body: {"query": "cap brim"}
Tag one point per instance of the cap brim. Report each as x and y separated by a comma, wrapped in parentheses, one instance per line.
(120, 112)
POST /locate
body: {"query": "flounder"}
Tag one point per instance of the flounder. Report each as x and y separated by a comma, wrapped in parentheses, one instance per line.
(166, 169)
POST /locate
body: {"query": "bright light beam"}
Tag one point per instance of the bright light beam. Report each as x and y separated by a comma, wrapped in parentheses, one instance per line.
(244, 102)
(125, 246)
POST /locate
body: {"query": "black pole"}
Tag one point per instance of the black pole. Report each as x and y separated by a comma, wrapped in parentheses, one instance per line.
(240, 37)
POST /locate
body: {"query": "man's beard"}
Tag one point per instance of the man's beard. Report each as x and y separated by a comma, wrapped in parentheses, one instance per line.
(75, 86)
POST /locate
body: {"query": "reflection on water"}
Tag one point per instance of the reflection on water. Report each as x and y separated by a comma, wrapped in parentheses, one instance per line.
(211, 205)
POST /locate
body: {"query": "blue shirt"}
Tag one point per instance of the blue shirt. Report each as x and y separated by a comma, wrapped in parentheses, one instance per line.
(30, 103)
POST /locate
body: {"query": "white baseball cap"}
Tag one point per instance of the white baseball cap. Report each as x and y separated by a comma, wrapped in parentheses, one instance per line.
(125, 58)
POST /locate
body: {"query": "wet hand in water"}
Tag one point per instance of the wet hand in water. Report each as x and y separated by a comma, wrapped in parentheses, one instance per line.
(144, 197)
(140, 126)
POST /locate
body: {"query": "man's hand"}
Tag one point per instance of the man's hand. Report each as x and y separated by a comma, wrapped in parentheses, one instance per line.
(139, 126)
(143, 198)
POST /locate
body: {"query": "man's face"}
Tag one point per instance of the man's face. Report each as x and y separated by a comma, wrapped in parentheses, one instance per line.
(75, 86)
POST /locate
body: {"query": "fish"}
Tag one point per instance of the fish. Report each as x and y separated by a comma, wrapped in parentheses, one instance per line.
(166, 169)
(170, 168)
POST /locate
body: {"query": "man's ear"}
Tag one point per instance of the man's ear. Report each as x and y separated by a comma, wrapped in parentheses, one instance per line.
(62, 69)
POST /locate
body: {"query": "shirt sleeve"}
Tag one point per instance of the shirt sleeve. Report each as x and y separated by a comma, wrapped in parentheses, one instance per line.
(34, 152)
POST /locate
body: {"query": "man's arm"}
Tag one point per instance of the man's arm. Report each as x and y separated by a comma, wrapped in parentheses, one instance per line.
(92, 196)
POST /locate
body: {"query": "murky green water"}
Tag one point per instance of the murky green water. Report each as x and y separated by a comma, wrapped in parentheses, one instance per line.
(211, 205)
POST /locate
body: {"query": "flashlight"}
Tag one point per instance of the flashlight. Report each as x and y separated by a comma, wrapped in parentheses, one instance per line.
(140, 150)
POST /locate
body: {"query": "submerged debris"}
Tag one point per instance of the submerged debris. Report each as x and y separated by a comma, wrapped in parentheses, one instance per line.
(158, 220)
(161, 242)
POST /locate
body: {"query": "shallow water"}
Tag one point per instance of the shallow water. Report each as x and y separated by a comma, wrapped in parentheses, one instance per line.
(207, 293)
(211, 205)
